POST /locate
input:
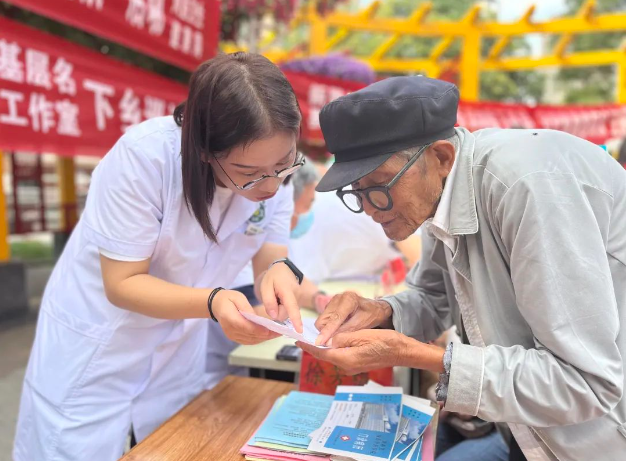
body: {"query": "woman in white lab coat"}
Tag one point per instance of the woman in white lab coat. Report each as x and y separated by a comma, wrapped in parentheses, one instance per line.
(175, 210)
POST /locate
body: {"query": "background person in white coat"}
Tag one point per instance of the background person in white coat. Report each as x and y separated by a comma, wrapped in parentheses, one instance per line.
(333, 247)
(175, 210)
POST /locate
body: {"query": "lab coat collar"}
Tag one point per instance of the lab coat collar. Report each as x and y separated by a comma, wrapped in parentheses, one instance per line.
(238, 213)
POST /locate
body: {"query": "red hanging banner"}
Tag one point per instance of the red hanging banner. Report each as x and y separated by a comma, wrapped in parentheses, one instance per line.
(181, 32)
(62, 98)
(313, 92)
(594, 123)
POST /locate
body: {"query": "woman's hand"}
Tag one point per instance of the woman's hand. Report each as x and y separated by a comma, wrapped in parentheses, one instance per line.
(279, 289)
(226, 307)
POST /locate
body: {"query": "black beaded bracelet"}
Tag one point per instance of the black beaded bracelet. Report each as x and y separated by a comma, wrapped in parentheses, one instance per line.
(210, 302)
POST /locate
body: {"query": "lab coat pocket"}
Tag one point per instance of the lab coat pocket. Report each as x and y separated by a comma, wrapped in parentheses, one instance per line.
(61, 354)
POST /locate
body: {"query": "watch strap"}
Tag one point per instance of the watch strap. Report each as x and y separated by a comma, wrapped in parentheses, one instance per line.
(297, 272)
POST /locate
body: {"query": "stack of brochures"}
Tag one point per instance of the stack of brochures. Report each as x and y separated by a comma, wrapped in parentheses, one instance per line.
(362, 423)
(284, 435)
(375, 423)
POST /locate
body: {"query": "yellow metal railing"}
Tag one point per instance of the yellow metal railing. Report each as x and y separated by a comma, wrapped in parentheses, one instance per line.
(470, 30)
(67, 193)
(5, 250)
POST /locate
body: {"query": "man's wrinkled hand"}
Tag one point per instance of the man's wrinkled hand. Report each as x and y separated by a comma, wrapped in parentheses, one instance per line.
(351, 312)
(364, 350)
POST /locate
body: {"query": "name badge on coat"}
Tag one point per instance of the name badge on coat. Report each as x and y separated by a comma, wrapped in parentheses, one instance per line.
(253, 229)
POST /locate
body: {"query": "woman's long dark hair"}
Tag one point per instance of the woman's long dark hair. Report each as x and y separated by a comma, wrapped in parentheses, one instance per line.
(234, 99)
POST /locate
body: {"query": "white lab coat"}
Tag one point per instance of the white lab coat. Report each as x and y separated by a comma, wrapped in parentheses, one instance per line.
(219, 346)
(96, 369)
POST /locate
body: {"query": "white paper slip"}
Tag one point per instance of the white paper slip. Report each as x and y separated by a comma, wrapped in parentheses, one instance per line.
(309, 332)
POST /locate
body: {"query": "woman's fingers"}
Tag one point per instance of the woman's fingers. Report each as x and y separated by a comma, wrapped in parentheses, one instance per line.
(238, 328)
(289, 302)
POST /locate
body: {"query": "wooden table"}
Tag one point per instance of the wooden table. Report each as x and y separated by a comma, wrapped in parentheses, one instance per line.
(215, 425)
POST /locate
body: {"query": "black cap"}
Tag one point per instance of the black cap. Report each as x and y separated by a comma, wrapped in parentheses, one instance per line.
(363, 129)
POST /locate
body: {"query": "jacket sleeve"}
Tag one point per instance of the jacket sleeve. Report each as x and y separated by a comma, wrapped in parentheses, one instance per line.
(564, 291)
(422, 311)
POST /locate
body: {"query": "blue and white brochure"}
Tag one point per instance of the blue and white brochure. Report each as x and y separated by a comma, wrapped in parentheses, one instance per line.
(362, 423)
(416, 451)
(416, 416)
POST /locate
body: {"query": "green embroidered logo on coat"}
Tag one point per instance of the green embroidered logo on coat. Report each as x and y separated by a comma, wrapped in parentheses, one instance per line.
(259, 214)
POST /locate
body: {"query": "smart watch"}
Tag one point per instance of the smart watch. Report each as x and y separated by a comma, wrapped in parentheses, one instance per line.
(297, 272)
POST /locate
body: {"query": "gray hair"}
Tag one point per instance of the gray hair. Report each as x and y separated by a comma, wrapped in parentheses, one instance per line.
(408, 153)
(305, 176)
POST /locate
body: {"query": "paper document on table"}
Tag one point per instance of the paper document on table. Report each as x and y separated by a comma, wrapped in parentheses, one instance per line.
(309, 332)
(362, 423)
(291, 422)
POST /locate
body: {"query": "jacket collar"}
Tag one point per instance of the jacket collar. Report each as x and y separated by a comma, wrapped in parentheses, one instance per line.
(463, 216)
(461, 205)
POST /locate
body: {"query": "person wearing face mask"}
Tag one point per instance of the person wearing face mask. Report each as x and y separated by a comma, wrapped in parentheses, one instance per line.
(524, 252)
(175, 210)
(303, 196)
(302, 221)
(333, 247)
(301, 187)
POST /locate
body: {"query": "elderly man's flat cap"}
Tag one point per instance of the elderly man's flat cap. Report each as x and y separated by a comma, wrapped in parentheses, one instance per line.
(365, 128)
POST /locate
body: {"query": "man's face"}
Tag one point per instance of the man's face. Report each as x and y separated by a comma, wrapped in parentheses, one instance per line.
(416, 195)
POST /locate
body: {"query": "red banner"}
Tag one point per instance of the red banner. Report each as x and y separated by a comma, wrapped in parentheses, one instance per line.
(313, 92)
(62, 98)
(595, 123)
(181, 32)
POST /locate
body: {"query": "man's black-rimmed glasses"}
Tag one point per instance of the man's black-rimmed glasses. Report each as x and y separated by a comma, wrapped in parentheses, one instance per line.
(378, 196)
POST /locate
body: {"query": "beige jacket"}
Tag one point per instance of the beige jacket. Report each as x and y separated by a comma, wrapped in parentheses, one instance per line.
(539, 281)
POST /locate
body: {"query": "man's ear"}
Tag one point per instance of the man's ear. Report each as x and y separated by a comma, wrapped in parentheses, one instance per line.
(444, 154)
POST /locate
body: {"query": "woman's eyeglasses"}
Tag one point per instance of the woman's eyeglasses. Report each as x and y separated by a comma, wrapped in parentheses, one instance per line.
(280, 174)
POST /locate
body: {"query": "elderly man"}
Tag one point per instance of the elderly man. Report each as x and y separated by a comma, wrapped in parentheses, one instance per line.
(525, 252)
